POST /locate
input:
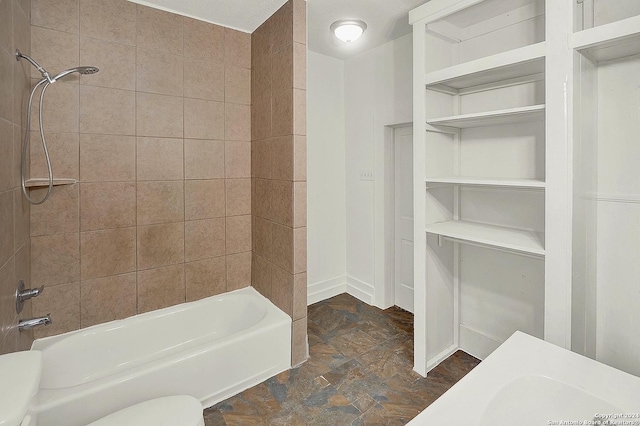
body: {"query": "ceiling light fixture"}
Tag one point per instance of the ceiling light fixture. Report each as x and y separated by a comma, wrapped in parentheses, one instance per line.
(348, 30)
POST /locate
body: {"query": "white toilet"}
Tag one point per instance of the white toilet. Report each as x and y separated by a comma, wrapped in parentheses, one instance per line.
(20, 373)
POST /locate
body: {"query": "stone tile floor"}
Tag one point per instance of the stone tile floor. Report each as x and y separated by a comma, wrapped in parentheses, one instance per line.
(359, 373)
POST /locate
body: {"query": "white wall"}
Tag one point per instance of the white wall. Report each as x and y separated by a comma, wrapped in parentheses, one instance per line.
(326, 216)
(378, 94)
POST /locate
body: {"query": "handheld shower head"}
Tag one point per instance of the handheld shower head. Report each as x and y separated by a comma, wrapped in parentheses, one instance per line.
(80, 70)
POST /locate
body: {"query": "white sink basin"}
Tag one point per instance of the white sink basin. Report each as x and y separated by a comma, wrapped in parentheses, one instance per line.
(529, 382)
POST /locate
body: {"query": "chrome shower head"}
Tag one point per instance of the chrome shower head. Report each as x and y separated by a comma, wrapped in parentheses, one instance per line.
(80, 70)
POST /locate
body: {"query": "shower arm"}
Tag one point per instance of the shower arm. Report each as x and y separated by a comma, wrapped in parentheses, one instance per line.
(45, 74)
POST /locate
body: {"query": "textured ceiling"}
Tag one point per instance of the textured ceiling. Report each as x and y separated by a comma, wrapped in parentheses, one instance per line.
(386, 19)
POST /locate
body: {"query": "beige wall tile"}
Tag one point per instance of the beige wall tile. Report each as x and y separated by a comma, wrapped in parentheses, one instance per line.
(282, 70)
(261, 198)
(107, 158)
(237, 46)
(204, 238)
(299, 296)
(159, 30)
(281, 196)
(261, 44)
(108, 252)
(6, 33)
(7, 303)
(299, 204)
(299, 66)
(160, 245)
(282, 116)
(160, 288)
(238, 122)
(299, 341)
(282, 158)
(282, 247)
(107, 111)
(21, 90)
(113, 20)
(107, 205)
(115, 61)
(238, 270)
(261, 275)
(204, 199)
(237, 85)
(203, 119)
(63, 302)
(282, 27)
(21, 218)
(160, 202)
(203, 79)
(203, 159)
(6, 85)
(205, 278)
(159, 115)
(261, 159)
(261, 82)
(238, 234)
(282, 289)
(159, 72)
(299, 112)
(63, 152)
(57, 50)
(61, 15)
(7, 162)
(107, 299)
(59, 214)
(6, 226)
(55, 259)
(261, 236)
(238, 192)
(61, 109)
(299, 158)
(18, 139)
(237, 158)
(202, 39)
(261, 127)
(299, 250)
(300, 21)
(159, 159)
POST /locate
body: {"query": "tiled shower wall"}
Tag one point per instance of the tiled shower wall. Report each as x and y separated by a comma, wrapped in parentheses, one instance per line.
(159, 141)
(14, 210)
(279, 166)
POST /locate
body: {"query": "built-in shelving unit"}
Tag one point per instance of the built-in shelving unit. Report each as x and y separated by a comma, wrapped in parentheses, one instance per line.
(479, 173)
(491, 118)
(517, 240)
(611, 41)
(44, 182)
(437, 182)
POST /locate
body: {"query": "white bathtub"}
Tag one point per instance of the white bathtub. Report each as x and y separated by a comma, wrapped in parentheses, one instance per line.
(529, 382)
(210, 349)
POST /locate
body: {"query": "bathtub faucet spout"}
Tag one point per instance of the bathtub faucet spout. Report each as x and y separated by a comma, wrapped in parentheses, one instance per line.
(34, 322)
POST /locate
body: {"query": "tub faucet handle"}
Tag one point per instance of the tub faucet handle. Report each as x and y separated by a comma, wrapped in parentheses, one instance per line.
(23, 294)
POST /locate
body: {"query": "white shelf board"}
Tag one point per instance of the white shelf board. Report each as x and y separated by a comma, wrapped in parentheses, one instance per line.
(492, 118)
(44, 182)
(476, 181)
(510, 239)
(508, 65)
(611, 41)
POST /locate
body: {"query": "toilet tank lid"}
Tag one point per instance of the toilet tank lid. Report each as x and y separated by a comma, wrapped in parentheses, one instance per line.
(180, 410)
(20, 372)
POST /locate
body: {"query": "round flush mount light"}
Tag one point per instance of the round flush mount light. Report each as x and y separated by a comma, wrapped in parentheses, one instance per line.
(348, 30)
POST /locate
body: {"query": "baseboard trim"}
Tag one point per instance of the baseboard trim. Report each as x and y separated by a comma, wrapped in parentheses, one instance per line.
(476, 343)
(326, 289)
(360, 290)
